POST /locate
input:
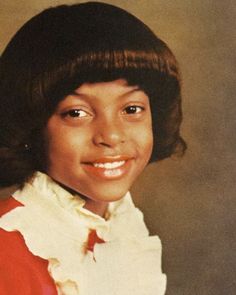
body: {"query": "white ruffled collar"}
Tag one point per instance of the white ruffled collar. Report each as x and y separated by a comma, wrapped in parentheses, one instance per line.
(55, 226)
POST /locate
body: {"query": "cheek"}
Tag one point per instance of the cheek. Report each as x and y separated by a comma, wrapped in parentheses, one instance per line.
(147, 134)
(59, 146)
(148, 140)
(148, 144)
(62, 148)
(143, 138)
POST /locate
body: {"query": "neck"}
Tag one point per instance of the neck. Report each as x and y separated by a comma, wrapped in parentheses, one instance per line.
(95, 207)
(98, 208)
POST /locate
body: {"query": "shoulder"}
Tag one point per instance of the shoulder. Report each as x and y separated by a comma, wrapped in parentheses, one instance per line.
(21, 272)
(8, 204)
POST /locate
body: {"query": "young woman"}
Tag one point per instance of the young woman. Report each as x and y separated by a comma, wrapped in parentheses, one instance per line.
(88, 97)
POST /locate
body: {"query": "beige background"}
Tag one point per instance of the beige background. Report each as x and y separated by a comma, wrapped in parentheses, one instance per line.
(189, 202)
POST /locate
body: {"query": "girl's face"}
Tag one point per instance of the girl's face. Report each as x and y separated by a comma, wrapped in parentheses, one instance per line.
(100, 139)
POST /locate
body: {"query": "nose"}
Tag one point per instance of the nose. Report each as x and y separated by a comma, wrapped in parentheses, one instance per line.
(109, 133)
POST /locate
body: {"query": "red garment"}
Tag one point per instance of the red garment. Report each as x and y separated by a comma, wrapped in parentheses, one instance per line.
(93, 239)
(21, 272)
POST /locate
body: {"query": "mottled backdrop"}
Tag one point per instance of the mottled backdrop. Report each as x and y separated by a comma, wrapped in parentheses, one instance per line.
(189, 202)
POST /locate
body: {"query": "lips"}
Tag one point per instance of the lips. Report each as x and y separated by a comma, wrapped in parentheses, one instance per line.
(108, 168)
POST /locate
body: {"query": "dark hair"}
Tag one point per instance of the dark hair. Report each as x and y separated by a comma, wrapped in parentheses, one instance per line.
(60, 49)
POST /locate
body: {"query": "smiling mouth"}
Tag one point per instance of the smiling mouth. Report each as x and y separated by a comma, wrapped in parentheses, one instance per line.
(109, 168)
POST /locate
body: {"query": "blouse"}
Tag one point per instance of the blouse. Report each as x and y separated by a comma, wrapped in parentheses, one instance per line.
(56, 231)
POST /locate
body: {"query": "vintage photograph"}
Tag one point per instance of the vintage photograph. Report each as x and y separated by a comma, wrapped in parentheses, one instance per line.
(117, 147)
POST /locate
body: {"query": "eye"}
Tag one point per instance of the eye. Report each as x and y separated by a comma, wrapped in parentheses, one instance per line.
(75, 113)
(133, 109)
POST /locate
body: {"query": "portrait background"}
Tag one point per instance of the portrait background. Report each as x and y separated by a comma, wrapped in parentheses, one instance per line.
(189, 202)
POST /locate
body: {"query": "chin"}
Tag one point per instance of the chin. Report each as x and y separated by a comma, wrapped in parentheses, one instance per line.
(108, 195)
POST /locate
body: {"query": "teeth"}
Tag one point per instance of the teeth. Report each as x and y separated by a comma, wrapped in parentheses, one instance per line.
(112, 165)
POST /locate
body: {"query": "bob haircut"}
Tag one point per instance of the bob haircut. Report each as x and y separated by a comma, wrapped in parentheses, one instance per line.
(60, 49)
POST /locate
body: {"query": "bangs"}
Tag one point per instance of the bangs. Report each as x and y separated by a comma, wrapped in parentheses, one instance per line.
(147, 69)
(123, 59)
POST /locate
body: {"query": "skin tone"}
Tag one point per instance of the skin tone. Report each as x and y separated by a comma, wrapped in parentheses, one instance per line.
(99, 140)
